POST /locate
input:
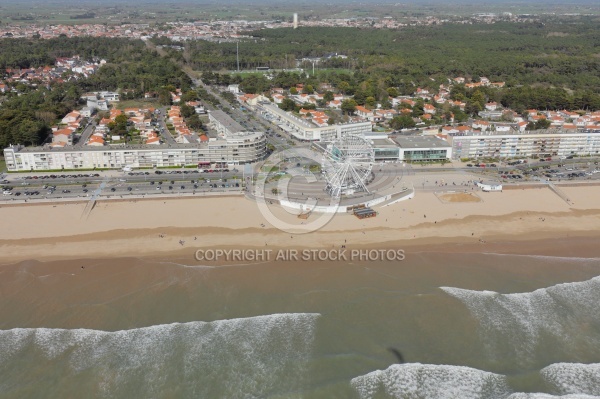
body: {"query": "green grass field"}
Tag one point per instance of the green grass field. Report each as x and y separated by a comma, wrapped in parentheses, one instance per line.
(138, 104)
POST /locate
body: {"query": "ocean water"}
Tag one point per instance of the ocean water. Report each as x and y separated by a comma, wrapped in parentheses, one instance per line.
(467, 325)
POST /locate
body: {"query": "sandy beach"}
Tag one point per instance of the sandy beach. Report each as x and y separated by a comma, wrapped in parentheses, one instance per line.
(157, 227)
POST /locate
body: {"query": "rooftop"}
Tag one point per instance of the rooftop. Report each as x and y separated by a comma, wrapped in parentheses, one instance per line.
(225, 120)
(421, 142)
(379, 143)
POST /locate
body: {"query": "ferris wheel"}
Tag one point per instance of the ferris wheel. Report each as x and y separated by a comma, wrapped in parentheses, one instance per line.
(347, 164)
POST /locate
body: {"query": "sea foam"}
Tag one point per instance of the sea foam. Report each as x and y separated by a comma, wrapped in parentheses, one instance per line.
(573, 378)
(514, 324)
(244, 358)
(416, 381)
(546, 396)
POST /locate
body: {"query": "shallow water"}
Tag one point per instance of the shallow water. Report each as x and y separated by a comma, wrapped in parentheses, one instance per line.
(468, 326)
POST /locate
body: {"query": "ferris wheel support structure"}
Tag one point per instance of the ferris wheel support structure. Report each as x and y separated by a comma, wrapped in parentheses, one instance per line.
(348, 162)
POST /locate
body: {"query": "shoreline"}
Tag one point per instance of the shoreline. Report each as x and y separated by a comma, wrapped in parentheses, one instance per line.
(132, 228)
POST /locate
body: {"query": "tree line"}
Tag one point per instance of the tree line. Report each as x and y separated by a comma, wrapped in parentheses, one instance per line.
(557, 52)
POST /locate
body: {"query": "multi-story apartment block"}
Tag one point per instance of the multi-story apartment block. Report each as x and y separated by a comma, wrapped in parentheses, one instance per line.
(539, 143)
(231, 146)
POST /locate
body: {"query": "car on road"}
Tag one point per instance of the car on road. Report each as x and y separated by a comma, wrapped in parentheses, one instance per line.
(182, 187)
(113, 189)
(66, 191)
(170, 187)
(85, 190)
(129, 188)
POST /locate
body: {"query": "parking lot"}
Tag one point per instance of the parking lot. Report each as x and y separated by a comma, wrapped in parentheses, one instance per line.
(561, 170)
(83, 185)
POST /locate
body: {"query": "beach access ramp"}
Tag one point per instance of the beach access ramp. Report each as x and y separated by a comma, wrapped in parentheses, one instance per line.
(92, 202)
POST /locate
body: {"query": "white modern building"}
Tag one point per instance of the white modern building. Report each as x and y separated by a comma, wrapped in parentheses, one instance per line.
(423, 148)
(547, 143)
(20, 158)
(306, 131)
(236, 150)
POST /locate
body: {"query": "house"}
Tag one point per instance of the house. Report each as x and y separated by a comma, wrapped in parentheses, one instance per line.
(481, 125)
(109, 96)
(387, 113)
(64, 136)
(363, 112)
(335, 104)
(153, 140)
(95, 141)
(556, 120)
(87, 112)
(491, 106)
(132, 111)
(73, 116)
(408, 102)
(235, 89)
(429, 109)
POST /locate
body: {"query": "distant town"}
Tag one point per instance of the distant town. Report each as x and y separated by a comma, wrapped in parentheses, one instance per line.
(234, 29)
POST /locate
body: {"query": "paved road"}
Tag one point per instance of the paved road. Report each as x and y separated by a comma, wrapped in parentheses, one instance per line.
(87, 132)
(164, 131)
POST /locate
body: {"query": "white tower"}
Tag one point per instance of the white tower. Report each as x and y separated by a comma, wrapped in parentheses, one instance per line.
(295, 20)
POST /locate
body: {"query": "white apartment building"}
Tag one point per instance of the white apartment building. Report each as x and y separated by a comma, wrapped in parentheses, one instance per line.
(238, 150)
(304, 130)
(535, 143)
(232, 146)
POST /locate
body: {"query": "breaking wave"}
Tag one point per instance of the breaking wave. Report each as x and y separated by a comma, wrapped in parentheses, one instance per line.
(573, 378)
(546, 396)
(564, 316)
(416, 381)
(244, 358)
